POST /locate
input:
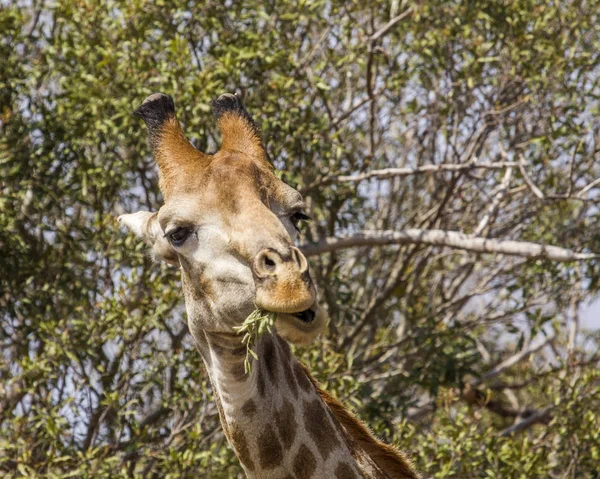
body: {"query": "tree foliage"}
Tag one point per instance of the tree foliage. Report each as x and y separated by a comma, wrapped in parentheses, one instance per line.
(476, 364)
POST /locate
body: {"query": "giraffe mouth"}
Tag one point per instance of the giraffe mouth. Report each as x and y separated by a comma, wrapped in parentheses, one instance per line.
(302, 327)
(307, 316)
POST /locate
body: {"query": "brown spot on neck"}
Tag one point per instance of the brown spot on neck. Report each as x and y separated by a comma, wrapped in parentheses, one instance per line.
(305, 463)
(270, 451)
(240, 445)
(249, 408)
(238, 371)
(344, 471)
(260, 381)
(319, 426)
(302, 378)
(270, 359)
(286, 360)
(285, 420)
(195, 284)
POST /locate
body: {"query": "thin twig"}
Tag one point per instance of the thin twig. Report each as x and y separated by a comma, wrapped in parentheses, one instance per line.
(571, 167)
(337, 120)
(493, 209)
(534, 189)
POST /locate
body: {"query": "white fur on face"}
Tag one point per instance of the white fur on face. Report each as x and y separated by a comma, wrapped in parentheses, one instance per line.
(213, 252)
(230, 298)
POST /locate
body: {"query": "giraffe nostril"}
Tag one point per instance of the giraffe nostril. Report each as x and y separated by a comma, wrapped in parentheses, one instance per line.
(269, 262)
(266, 264)
(287, 266)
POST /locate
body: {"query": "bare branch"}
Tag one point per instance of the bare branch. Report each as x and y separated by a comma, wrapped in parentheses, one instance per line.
(572, 165)
(387, 173)
(534, 189)
(587, 188)
(514, 359)
(451, 239)
(338, 119)
(476, 397)
(540, 416)
(383, 30)
(393, 172)
(499, 195)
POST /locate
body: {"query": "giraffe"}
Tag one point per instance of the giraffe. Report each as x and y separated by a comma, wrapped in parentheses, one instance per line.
(230, 224)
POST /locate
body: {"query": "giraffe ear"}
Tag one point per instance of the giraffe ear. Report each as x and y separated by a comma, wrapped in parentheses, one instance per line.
(145, 225)
(238, 130)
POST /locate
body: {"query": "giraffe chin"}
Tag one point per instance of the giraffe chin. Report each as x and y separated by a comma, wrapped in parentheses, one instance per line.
(301, 328)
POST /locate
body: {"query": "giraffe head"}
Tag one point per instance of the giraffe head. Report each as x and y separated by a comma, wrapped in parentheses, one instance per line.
(229, 223)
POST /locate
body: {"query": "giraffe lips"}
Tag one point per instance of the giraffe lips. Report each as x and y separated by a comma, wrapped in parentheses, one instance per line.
(307, 316)
(302, 327)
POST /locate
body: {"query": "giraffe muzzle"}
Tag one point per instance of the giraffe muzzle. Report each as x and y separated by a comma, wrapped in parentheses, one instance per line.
(283, 282)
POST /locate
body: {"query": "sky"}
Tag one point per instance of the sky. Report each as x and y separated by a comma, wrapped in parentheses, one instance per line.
(590, 315)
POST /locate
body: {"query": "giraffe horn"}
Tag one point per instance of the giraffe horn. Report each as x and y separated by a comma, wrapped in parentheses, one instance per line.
(238, 130)
(172, 150)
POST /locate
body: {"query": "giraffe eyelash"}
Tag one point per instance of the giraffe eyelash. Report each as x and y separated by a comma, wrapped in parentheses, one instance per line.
(178, 236)
(298, 216)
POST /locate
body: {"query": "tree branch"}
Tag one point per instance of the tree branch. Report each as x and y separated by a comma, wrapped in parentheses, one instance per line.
(499, 196)
(451, 239)
(514, 359)
(394, 172)
(401, 172)
(587, 188)
(383, 30)
(540, 416)
(476, 397)
(534, 189)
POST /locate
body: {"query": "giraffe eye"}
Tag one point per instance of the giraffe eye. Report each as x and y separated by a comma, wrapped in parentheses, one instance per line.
(297, 217)
(179, 236)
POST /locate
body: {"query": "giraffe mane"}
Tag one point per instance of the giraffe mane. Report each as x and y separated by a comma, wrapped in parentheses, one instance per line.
(389, 459)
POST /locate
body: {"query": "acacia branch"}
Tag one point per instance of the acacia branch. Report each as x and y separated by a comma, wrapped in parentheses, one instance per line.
(387, 173)
(534, 347)
(395, 172)
(476, 397)
(534, 189)
(499, 196)
(587, 188)
(383, 30)
(540, 416)
(451, 239)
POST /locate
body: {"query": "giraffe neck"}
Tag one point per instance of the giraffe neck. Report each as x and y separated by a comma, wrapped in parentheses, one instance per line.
(274, 417)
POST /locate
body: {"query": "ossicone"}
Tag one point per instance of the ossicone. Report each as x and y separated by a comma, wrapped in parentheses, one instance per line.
(156, 110)
(238, 130)
(175, 155)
